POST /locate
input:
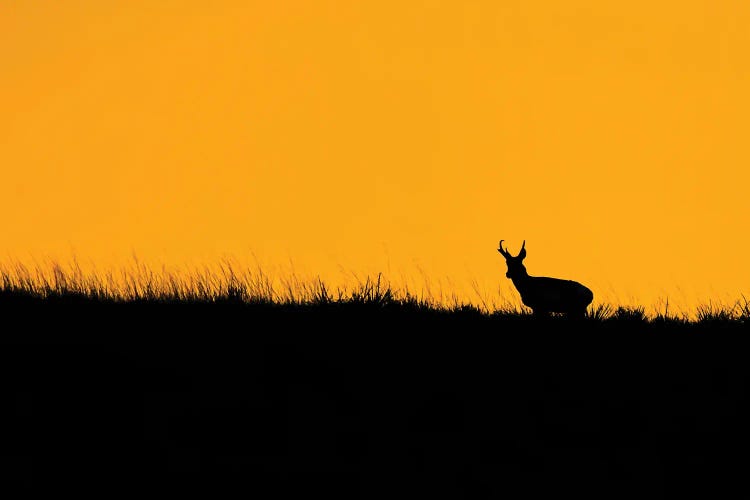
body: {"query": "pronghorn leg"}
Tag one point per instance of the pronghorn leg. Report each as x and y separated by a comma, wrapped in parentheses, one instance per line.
(577, 313)
(539, 313)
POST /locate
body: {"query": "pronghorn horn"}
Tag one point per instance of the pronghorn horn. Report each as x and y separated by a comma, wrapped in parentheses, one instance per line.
(522, 253)
(501, 250)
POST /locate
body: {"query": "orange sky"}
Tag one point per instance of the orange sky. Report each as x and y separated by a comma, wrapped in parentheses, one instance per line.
(402, 137)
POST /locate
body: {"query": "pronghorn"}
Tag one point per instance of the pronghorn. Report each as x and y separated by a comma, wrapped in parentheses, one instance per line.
(545, 295)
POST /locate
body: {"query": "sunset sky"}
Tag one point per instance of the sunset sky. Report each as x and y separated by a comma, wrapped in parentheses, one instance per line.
(345, 137)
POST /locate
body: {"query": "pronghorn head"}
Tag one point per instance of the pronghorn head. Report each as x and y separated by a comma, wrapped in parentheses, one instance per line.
(516, 269)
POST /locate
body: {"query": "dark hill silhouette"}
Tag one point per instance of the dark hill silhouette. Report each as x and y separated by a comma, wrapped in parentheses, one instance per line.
(368, 401)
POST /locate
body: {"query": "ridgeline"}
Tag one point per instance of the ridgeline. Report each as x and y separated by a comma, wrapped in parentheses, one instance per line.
(370, 399)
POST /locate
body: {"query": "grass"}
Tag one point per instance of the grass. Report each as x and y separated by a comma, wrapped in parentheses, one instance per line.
(226, 283)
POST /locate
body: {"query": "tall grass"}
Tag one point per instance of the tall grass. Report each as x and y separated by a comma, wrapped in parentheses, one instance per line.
(227, 282)
(220, 283)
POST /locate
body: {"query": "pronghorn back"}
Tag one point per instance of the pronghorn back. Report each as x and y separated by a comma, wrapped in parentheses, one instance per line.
(555, 295)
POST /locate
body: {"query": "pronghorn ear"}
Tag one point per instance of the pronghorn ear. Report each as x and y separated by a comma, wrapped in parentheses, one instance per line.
(522, 253)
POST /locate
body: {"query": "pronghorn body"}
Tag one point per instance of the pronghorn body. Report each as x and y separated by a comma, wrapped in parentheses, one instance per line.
(545, 295)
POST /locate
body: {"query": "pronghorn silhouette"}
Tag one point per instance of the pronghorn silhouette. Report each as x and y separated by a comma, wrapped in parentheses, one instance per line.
(545, 295)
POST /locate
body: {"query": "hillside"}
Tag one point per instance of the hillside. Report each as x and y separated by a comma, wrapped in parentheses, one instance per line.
(368, 400)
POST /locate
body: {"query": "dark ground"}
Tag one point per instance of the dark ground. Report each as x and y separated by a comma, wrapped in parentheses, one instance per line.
(360, 402)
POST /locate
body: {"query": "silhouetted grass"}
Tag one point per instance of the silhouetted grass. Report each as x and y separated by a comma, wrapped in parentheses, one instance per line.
(225, 284)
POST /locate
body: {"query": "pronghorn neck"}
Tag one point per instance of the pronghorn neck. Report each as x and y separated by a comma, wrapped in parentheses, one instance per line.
(520, 277)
